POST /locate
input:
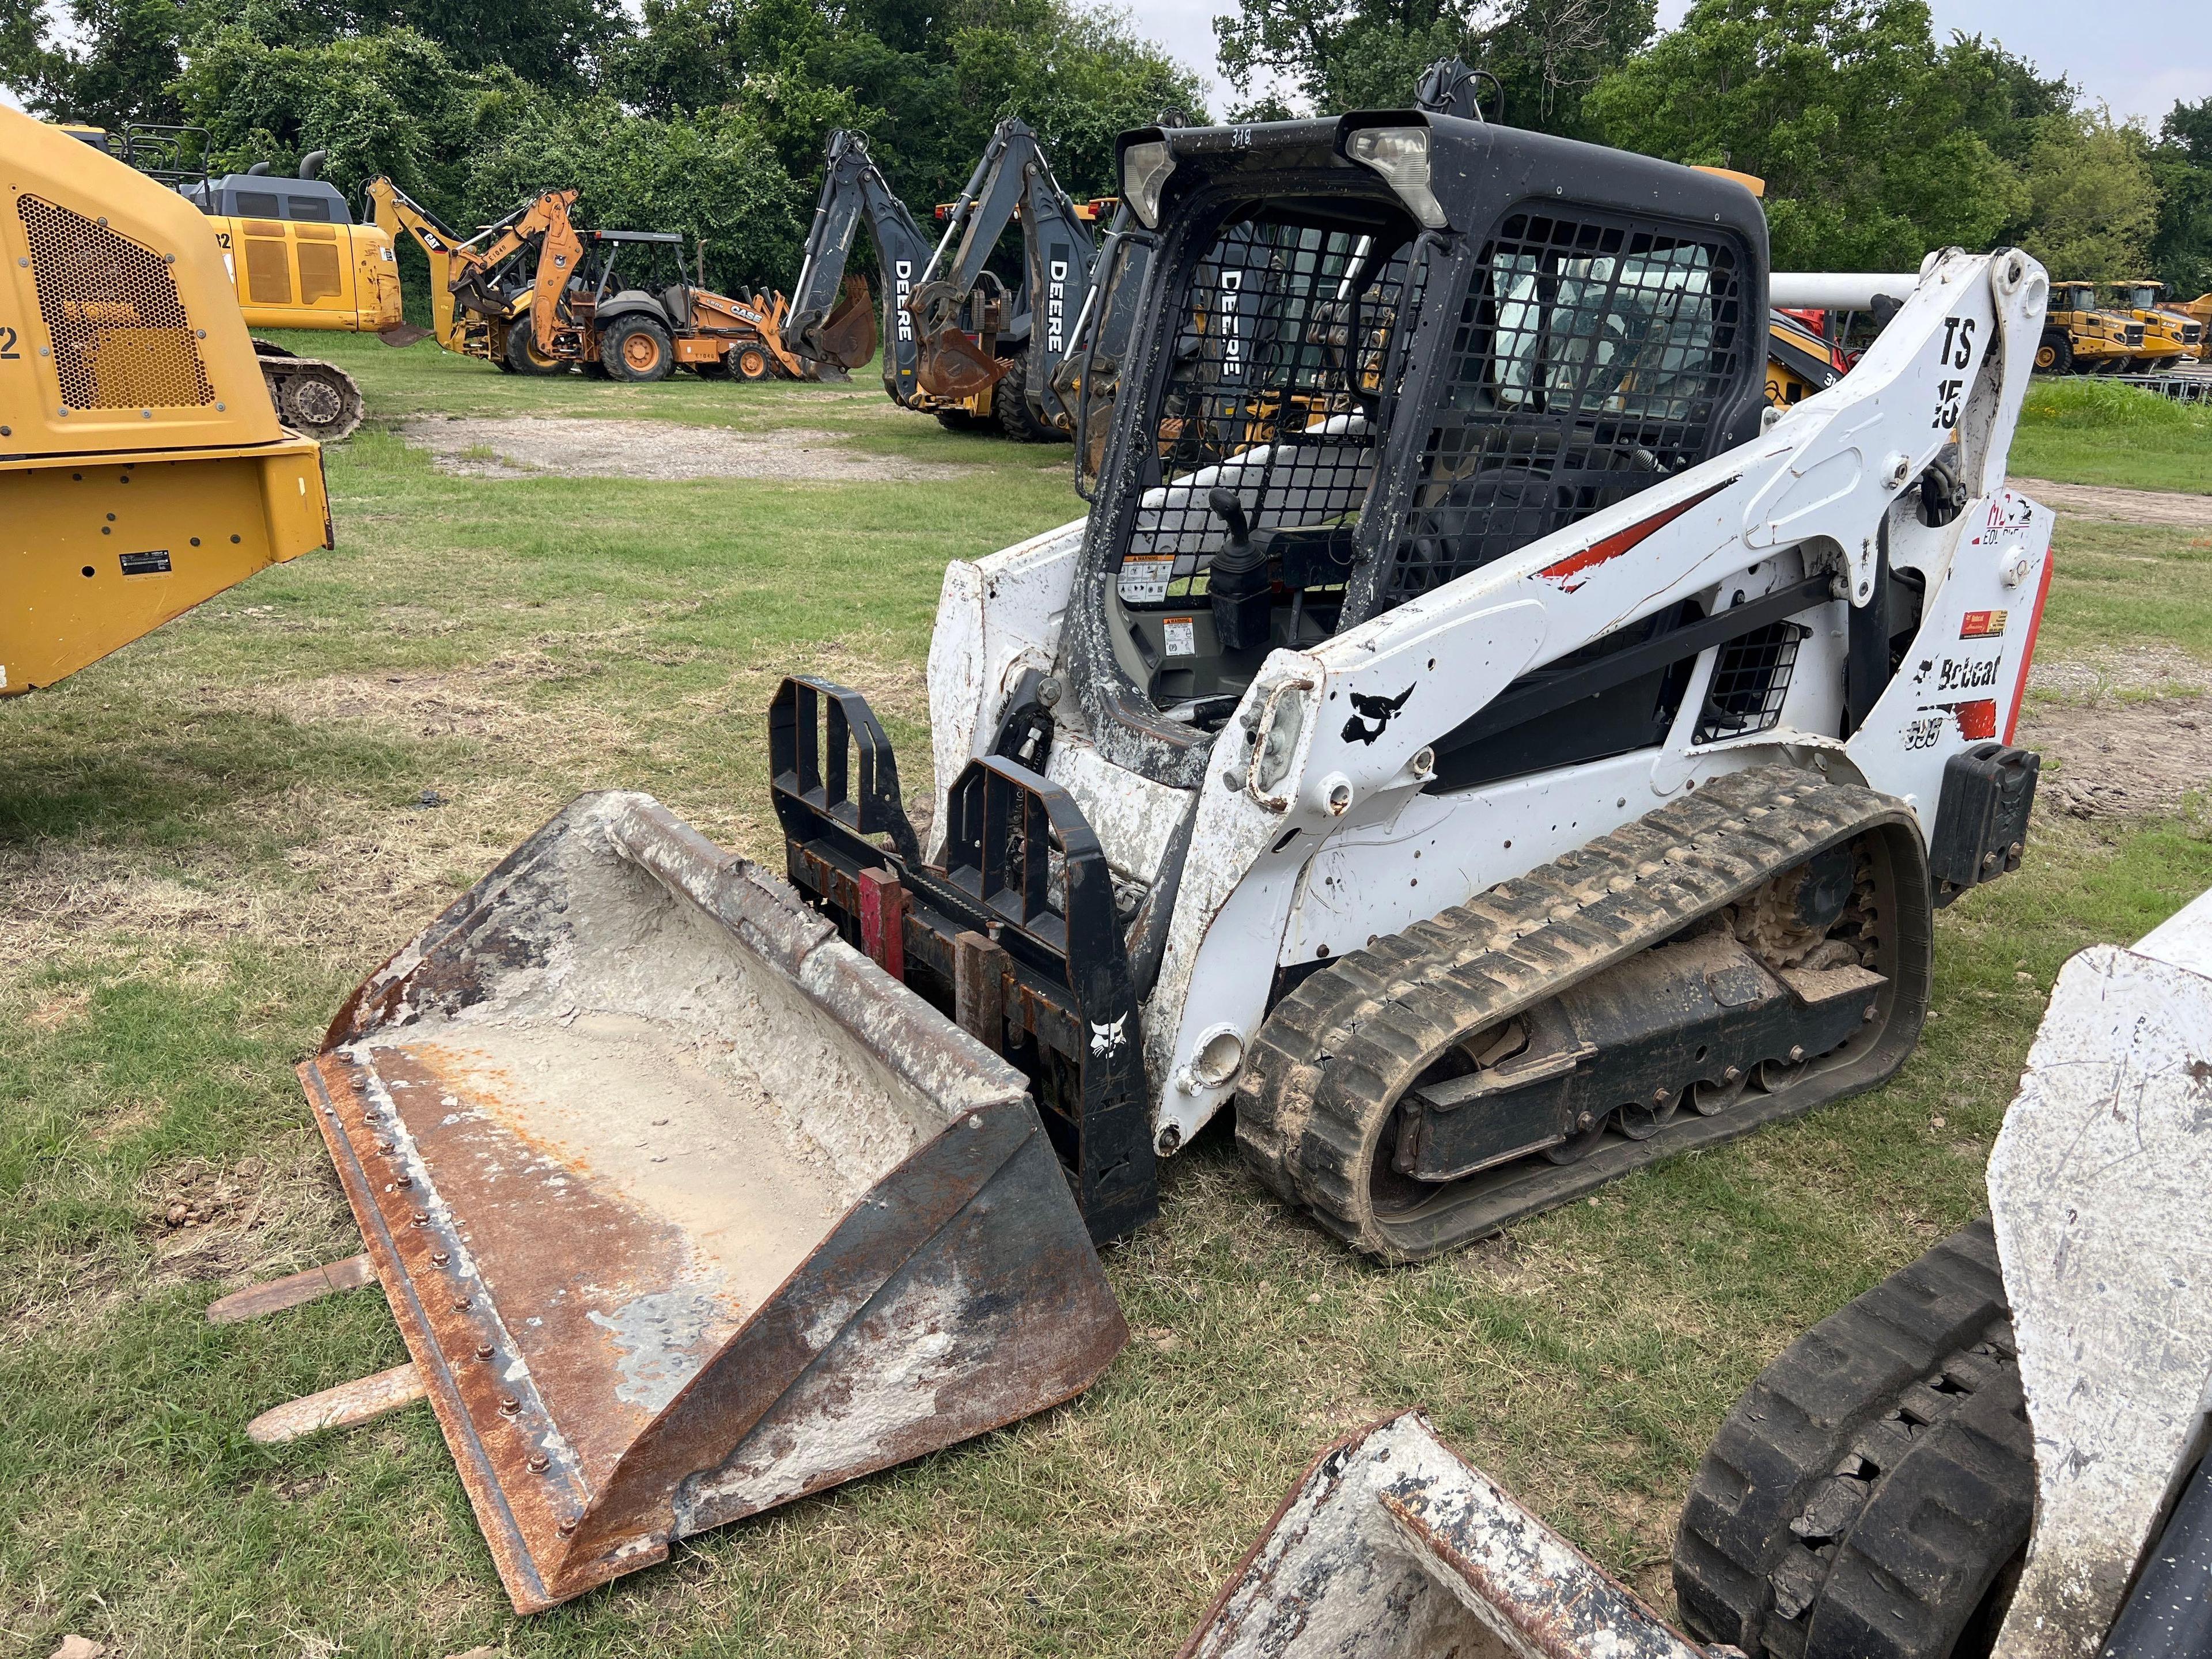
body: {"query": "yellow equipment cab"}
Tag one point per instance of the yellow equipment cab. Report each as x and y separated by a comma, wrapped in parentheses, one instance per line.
(296, 256)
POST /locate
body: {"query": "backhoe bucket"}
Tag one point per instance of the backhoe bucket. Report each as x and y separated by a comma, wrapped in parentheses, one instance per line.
(848, 338)
(1393, 1548)
(685, 1207)
(953, 366)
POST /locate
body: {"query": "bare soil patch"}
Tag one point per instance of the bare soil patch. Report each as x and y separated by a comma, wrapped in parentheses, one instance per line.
(2105, 759)
(530, 446)
(2146, 669)
(2151, 506)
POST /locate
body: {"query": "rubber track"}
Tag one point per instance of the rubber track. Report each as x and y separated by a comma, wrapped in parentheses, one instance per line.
(1779, 1556)
(1357, 1032)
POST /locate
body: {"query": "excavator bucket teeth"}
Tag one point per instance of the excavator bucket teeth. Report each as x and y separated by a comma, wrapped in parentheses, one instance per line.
(953, 366)
(1391, 1547)
(848, 337)
(686, 1208)
(403, 335)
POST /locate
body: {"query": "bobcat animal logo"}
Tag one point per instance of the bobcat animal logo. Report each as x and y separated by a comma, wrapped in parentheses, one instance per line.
(1381, 710)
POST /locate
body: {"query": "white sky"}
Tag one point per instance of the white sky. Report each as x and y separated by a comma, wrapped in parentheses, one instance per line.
(2141, 60)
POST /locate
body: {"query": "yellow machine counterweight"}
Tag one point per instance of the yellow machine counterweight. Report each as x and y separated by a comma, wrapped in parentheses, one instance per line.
(143, 468)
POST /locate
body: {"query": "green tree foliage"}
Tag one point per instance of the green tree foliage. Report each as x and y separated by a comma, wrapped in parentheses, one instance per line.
(2181, 166)
(2093, 205)
(1354, 54)
(1865, 137)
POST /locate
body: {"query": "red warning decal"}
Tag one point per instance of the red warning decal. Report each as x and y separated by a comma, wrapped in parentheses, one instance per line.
(1976, 720)
(1983, 624)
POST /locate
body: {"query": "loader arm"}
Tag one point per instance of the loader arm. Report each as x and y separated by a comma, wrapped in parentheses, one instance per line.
(1013, 182)
(853, 193)
(397, 214)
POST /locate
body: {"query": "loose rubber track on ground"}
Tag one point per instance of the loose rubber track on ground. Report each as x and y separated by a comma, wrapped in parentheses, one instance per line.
(1360, 1031)
(1863, 1494)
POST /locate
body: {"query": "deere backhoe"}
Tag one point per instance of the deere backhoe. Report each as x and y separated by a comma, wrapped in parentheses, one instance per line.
(294, 256)
(142, 467)
(1472, 742)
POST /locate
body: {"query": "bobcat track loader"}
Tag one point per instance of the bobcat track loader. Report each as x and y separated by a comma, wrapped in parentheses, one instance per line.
(1999, 1450)
(1471, 742)
(142, 467)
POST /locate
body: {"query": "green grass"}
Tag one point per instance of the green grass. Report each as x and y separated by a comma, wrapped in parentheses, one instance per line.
(207, 838)
(2079, 430)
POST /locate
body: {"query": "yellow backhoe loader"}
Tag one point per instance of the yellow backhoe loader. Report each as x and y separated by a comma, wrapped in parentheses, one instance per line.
(142, 469)
(293, 253)
(536, 293)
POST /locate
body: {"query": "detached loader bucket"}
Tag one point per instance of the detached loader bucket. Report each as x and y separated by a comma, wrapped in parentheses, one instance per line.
(685, 1207)
(1393, 1548)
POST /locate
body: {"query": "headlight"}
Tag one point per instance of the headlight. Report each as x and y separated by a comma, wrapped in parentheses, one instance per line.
(1400, 154)
(1279, 739)
(1144, 169)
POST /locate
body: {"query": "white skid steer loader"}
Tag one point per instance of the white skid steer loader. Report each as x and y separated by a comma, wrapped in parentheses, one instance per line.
(2000, 1449)
(1469, 736)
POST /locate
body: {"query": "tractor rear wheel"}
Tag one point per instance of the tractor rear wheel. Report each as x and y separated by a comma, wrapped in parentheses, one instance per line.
(1010, 402)
(2055, 355)
(637, 349)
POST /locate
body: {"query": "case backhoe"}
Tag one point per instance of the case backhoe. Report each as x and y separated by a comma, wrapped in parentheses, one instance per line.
(1471, 739)
(142, 467)
(536, 293)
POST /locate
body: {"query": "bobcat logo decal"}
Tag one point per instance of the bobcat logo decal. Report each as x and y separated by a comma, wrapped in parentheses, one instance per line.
(1381, 710)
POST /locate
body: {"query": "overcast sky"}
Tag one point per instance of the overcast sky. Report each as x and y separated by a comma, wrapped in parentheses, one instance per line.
(2140, 58)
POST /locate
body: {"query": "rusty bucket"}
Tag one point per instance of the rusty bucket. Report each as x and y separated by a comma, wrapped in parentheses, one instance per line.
(952, 366)
(1391, 1547)
(685, 1207)
(848, 339)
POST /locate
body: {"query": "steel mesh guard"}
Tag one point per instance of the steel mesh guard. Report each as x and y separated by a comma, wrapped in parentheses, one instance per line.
(1589, 360)
(121, 337)
(1750, 683)
(1280, 351)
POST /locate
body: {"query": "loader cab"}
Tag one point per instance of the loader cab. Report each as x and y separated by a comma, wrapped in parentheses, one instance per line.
(1376, 355)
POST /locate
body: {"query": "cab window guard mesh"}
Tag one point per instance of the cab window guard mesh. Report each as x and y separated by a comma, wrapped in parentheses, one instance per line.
(1591, 357)
(1283, 343)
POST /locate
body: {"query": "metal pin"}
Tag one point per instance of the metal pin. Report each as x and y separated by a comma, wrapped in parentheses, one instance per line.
(539, 1462)
(509, 1405)
(422, 1218)
(1797, 1053)
(440, 1257)
(483, 1350)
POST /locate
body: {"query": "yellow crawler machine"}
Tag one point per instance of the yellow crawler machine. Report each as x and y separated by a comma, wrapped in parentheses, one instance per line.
(293, 254)
(142, 469)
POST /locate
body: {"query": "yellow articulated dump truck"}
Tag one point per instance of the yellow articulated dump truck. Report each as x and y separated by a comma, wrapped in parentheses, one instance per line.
(143, 468)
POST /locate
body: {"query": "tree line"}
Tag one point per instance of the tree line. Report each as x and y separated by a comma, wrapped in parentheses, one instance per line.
(1878, 141)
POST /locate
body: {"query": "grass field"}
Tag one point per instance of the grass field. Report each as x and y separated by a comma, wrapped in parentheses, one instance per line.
(209, 837)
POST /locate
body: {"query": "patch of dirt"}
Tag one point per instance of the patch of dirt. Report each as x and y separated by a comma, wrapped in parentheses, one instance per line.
(2159, 671)
(528, 447)
(2105, 759)
(2152, 507)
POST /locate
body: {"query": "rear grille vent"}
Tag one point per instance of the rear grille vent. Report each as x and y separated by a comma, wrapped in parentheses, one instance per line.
(120, 335)
(1751, 680)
